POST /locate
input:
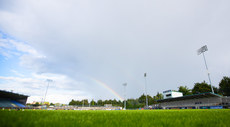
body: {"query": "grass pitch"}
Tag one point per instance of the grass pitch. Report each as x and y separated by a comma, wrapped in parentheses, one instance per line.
(133, 118)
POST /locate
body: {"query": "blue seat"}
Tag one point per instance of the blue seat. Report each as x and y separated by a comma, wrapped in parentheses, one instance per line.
(7, 104)
(18, 104)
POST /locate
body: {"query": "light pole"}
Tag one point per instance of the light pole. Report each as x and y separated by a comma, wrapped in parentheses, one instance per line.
(125, 84)
(146, 90)
(48, 80)
(201, 51)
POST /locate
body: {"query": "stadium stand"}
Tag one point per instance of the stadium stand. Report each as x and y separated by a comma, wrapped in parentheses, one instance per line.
(5, 103)
(12, 100)
(196, 101)
(18, 104)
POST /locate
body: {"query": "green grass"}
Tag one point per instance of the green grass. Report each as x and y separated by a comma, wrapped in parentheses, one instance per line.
(133, 118)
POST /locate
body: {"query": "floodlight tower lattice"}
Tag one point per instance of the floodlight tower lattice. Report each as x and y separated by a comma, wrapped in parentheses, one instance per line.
(125, 84)
(201, 51)
(145, 75)
(48, 80)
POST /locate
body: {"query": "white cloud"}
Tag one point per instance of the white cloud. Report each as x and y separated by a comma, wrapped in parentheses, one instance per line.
(117, 43)
(59, 90)
(34, 84)
(3, 44)
(30, 58)
(17, 73)
(22, 47)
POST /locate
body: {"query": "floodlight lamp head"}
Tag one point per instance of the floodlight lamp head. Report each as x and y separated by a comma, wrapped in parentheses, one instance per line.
(202, 49)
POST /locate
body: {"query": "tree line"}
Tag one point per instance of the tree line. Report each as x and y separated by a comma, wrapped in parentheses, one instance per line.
(223, 89)
(130, 103)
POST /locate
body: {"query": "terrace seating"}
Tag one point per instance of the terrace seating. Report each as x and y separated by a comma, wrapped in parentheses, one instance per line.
(6, 104)
(18, 104)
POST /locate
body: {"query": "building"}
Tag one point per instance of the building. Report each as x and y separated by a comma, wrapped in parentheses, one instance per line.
(12, 100)
(172, 94)
(196, 101)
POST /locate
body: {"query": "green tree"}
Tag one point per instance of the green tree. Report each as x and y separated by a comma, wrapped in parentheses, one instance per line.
(159, 96)
(107, 102)
(224, 86)
(72, 102)
(185, 90)
(133, 104)
(93, 103)
(201, 88)
(120, 103)
(36, 104)
(75, 102)
(115, 102)
(142, 99)
(100, 103)
(150, 100)
(216, 90)
(85, 102)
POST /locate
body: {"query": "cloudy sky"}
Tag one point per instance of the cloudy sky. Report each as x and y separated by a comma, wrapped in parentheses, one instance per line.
(90, 48)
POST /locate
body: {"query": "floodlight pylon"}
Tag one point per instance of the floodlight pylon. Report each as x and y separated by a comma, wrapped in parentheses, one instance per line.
(125, 84)
(145, 75)
(201, 51)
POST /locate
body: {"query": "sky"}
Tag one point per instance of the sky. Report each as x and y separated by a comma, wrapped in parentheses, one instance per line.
(90, 48)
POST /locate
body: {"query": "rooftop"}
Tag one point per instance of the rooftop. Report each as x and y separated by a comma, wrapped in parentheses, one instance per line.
(7, 94)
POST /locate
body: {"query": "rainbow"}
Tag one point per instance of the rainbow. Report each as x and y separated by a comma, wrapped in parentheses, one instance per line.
(108, 88)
